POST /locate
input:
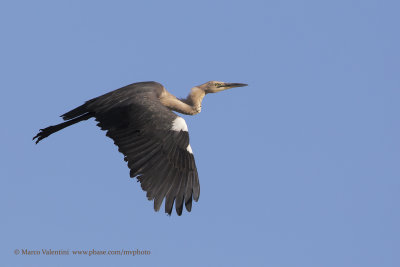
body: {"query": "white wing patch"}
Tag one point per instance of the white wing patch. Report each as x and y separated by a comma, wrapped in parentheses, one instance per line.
(179, 124)
(189, 149)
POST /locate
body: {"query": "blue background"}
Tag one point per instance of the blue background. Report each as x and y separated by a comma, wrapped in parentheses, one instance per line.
(300, 168)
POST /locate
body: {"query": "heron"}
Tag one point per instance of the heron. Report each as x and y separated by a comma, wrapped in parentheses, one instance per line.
(154, 140)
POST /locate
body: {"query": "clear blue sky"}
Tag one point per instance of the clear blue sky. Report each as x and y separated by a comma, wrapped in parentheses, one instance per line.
(300, 168)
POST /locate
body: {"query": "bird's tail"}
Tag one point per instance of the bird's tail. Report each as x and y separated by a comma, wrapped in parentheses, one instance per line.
(55, 128)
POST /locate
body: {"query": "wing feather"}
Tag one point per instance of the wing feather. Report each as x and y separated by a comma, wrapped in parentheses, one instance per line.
(157, 156)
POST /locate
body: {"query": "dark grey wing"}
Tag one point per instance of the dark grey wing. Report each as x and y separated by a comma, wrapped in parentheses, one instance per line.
(155, 142)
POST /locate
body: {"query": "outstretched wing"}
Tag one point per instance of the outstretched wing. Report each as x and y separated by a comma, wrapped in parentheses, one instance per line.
(155, 142)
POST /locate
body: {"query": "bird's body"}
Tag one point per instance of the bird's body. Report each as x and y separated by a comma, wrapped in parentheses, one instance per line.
(153, 139)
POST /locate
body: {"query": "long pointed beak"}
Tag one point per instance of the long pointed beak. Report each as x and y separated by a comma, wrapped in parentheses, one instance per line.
(231, 85)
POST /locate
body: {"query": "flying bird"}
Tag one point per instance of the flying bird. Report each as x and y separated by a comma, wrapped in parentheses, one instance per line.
(154, 140)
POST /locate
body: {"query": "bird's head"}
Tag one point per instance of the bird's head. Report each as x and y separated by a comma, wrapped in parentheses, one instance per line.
(216, 86)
